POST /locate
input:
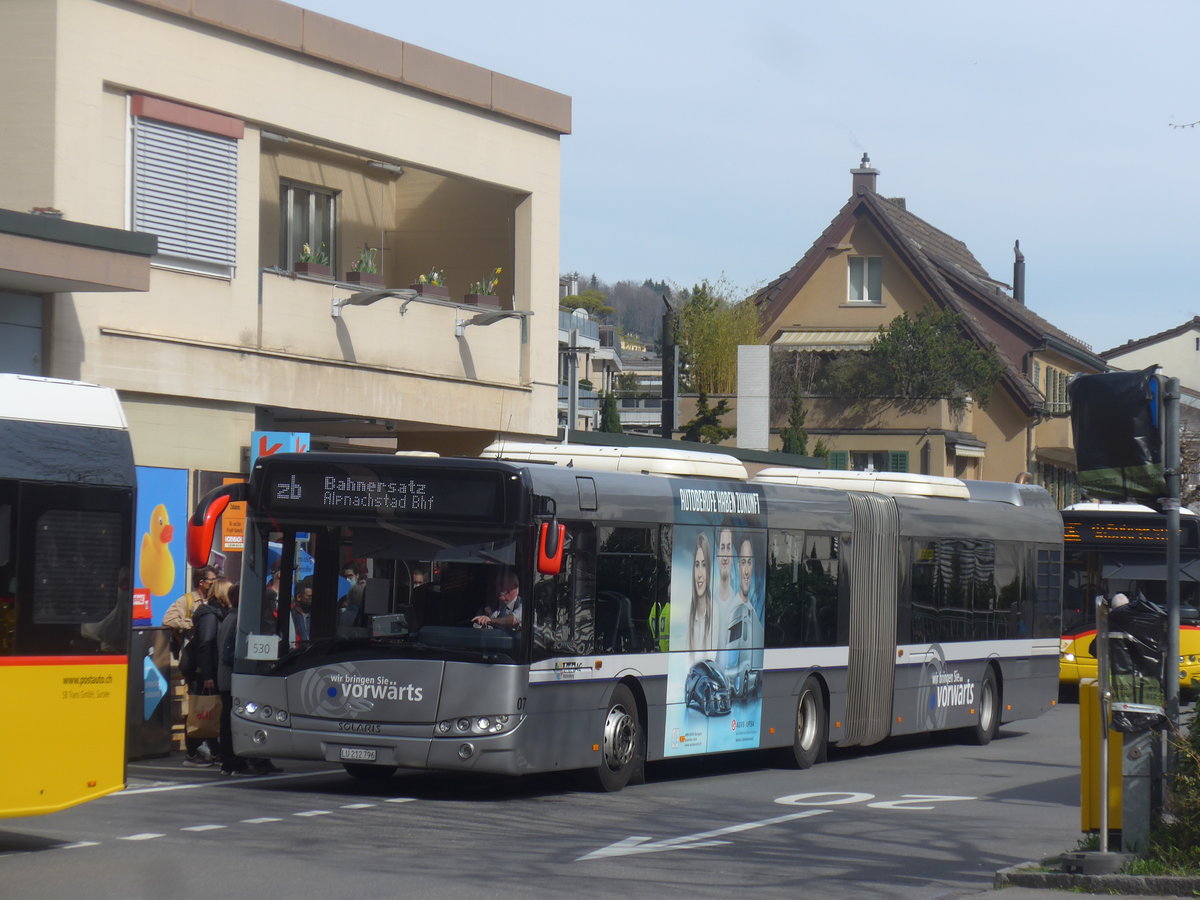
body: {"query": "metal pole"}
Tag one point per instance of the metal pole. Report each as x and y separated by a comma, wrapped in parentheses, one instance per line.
(572, 383)
(1104, 699)
(670, 374)
(1172, 463)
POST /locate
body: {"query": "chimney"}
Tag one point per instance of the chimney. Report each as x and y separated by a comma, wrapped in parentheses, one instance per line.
(864, 176)
(1018, 274)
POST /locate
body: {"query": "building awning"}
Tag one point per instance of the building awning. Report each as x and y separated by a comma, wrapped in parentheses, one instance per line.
(827, 341)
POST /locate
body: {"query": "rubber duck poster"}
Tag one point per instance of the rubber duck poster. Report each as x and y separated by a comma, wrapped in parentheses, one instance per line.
(161, 540)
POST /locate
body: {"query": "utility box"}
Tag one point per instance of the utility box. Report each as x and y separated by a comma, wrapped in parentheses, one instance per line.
(1090, 740)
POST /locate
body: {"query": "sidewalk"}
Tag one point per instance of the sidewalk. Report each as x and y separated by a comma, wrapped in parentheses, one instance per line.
(1024, 883)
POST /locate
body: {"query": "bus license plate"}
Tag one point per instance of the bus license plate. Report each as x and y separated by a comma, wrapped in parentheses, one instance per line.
(359, 753)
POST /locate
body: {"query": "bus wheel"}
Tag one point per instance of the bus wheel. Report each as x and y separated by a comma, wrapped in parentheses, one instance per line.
(623, 745)
(809, 737)
(987, 723)
(364, 772)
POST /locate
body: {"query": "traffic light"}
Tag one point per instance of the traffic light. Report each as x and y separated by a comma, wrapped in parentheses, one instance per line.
(1117, 423)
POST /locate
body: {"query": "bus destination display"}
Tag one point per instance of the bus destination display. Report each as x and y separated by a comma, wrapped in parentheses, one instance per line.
(1125, 532)
(374, 492)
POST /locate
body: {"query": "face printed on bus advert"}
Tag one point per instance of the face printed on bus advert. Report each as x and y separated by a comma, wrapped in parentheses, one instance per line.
(700, 571)
(745, 567)
(725, 555)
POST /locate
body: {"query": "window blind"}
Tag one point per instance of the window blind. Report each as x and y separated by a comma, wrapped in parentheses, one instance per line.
(185, 191)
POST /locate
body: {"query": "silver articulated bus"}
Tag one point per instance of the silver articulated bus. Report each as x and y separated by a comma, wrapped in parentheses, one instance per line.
(554, 608)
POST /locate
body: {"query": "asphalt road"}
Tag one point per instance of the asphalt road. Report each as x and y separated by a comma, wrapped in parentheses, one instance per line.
(912, 818)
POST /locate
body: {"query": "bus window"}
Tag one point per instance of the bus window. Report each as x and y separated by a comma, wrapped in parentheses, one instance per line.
(626, 589)
(802, 590)
(564, 604)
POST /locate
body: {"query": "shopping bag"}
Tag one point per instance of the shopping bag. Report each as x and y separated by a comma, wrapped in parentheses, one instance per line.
(204, 716)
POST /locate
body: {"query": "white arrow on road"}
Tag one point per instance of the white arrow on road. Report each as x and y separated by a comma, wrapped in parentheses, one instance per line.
(632, 845)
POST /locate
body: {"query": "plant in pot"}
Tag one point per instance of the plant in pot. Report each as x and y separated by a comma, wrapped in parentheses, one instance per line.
(364, 269)
(313, 263)
(431, 284)
(483, 293)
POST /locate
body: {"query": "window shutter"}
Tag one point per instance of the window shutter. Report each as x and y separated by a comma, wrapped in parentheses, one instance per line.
(838, 459)
(185, 191)
(897, 460)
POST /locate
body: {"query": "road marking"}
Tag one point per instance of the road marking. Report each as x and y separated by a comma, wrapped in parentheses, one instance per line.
(79, 844)
(638, 844)
(261, 821)
(202, 827)
(399, 799)
(146, 836)
(314, 812)
(193, 785)
(358, 805)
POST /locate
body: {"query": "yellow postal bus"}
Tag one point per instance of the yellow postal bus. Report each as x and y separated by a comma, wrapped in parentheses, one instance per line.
(66, 526)
(1121, 547)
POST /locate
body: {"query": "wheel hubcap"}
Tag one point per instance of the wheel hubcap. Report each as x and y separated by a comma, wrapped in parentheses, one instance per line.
(987, 707)
(620, 738)
(806, 721)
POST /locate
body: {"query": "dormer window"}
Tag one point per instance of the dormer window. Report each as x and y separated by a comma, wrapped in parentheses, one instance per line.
(866, 279)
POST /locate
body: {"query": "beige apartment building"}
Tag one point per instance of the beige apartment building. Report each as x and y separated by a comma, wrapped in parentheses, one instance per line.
(206, 174)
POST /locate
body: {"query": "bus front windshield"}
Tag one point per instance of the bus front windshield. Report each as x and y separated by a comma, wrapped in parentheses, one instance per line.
(386, 590)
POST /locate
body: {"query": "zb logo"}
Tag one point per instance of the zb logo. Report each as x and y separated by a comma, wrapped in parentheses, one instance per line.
(287, 490)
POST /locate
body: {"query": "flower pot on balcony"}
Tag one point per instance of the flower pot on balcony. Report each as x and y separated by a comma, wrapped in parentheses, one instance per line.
(489, 300)
(436, 291)
(373, 279)
(312, 269)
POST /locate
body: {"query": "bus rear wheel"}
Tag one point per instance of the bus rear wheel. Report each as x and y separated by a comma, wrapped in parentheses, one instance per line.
(364, 772)
(987, 723)
(622, 744)
(812, 726)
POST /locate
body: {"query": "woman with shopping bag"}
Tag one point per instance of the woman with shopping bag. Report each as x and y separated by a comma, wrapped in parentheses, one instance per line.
(204, 700)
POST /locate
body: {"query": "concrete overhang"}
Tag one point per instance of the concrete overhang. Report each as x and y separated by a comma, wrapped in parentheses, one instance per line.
(44, 254)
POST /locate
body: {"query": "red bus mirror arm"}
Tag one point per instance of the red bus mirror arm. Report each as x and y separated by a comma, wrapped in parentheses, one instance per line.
(551, 536)
(203, 523)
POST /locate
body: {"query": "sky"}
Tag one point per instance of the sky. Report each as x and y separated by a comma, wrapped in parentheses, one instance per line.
(713, 140)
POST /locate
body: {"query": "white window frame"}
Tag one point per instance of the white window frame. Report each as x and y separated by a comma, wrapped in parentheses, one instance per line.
(870, 280)
(293, 234)
(183, 189)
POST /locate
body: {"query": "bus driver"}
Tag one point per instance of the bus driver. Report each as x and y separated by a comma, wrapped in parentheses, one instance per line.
(506, 611)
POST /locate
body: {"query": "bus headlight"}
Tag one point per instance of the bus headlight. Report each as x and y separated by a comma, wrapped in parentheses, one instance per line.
(251, 709)
(494, 724)
(1068, 657)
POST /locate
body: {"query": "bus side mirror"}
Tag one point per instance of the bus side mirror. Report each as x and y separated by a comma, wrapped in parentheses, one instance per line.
(551, 537)
(203, 523)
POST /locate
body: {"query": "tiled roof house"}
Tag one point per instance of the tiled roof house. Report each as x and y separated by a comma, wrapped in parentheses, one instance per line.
(876, 261)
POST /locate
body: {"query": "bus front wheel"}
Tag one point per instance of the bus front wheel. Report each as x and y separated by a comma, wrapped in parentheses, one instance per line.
(622, 746)
(364, 772)
(987, 723)
(810, 734)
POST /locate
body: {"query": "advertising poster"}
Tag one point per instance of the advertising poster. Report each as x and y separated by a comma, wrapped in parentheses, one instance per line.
(160, 541)
(714, 674)
(266, 443)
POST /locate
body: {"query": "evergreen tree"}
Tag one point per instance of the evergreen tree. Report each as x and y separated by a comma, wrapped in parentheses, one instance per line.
(795, 438)
(610, 416)
(706, 427)
(922, 357)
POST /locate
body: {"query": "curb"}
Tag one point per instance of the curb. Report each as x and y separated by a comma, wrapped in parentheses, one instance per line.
(1030, 875)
